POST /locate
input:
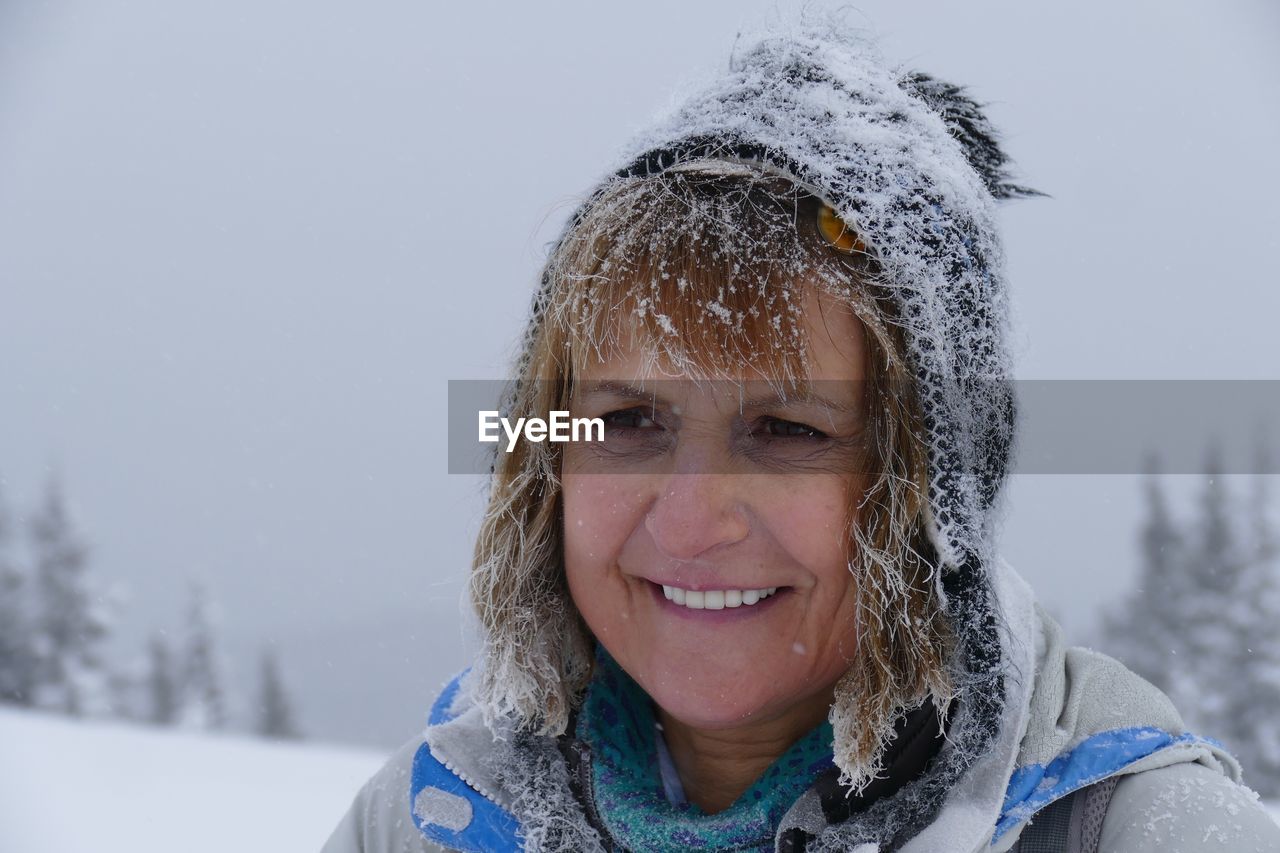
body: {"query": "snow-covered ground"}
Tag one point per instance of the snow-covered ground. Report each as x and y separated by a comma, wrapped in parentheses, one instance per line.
(68, 787)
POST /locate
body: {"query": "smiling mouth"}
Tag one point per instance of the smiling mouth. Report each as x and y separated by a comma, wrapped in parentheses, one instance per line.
(716, 599)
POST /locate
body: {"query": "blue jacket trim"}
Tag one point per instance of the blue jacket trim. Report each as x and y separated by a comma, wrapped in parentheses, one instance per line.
(1034, 786)
(440, 707)
(488, 827)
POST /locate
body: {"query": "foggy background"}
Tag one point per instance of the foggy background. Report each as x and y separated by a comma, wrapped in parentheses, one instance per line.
(244, 246)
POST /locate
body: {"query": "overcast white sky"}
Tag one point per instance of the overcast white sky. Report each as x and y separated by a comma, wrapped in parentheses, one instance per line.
(245, 243)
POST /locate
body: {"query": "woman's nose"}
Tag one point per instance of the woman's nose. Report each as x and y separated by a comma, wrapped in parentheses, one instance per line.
(696, 513)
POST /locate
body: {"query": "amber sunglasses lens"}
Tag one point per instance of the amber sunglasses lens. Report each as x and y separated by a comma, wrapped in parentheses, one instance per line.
(834, 230)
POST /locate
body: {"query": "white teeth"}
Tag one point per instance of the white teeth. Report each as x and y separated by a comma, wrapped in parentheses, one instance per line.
(716, 599)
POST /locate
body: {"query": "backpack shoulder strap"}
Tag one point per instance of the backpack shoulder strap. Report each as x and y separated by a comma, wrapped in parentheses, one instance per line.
(1049, 828)
(1072, 824)
(1089, 812)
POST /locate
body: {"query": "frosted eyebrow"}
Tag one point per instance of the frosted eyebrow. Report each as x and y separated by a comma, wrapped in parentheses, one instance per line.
(803, 395)
(618, 389)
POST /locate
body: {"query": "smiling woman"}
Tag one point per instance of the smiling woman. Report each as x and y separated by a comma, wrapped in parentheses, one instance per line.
(767, 612)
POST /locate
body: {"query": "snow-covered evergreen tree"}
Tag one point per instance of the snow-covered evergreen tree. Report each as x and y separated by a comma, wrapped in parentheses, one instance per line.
(1249, 720)
(128, 683)
(161, 684)
(17, 637)
(1203, 622)
(71, 626)
(1208, 613)
(203, 699)
(275, 711)
(1143, 631)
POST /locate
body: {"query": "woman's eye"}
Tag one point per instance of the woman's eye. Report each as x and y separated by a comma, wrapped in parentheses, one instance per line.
(628, 419)
(779, 428)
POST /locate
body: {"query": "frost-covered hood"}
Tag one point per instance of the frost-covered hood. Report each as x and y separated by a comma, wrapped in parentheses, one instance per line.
(1072, 717)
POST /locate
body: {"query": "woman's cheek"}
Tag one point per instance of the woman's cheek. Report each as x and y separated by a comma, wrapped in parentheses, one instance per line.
(808, 518)
(598, 512)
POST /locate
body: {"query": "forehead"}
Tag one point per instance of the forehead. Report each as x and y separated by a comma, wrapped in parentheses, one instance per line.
(829, 340)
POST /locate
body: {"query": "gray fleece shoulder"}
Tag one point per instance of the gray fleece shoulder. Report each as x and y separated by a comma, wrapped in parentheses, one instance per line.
(1186, 808)
(379, 820)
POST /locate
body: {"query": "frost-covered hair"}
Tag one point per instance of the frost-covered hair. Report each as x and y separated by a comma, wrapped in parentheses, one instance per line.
(707, 267)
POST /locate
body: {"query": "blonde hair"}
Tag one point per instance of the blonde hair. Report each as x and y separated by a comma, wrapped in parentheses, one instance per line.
(708, 269)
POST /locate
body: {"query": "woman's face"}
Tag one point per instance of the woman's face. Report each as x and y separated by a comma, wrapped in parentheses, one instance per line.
(706, 493)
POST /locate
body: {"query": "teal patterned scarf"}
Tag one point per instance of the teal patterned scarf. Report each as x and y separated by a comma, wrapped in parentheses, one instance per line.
(617, 723)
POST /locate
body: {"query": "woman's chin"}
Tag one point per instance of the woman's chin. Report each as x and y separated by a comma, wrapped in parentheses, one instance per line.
(708, 687)
(722, 692)
(710, 712)
(715, 704)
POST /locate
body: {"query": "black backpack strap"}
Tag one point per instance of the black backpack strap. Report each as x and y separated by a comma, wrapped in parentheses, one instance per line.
(1095, 800)
(1049, 828)
(1072, 824)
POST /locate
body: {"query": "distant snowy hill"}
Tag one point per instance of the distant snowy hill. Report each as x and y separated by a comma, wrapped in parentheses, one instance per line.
(98, 787)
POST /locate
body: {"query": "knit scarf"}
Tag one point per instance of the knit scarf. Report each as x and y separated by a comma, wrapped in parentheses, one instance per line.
(617, 722)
